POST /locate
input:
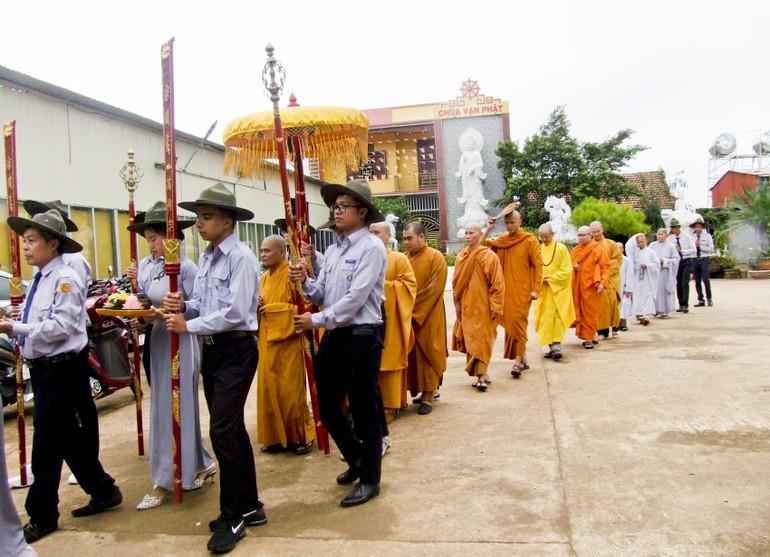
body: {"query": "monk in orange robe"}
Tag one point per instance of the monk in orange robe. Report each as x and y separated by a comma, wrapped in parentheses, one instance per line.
(478, 289)
(592, 272)
(427, 359)
(522, 265)
(284, 421)
(400, 293)
(609, 316)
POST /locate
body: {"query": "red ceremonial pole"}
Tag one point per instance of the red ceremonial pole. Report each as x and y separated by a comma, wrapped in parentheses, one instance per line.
(131, 175)
(172, 247)
(271, 68)
(17, 293)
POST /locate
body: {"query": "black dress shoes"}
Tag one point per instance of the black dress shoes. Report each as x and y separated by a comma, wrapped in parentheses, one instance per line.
(96, 506)
(361, 494)
(349, 476)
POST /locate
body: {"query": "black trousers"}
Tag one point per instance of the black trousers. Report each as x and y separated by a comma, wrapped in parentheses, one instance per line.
(683, 282)
(348, 363)
(700, 271)
(61, 392)
(228, 369)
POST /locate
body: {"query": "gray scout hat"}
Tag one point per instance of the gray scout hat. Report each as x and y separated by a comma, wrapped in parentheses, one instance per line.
(698, 220)
(155, 215)
(35, 207)
(360, 190)
(218, 196)
(674, 223)
(50, 221)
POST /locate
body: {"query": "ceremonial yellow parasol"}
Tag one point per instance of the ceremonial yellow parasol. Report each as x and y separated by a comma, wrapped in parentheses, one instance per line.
(336, 136)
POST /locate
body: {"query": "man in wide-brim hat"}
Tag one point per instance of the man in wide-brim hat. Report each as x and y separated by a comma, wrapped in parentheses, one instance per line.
(350, 290)
(155, 219)
(701, 264)
(54, 342)
(223, 311)
(685, 247)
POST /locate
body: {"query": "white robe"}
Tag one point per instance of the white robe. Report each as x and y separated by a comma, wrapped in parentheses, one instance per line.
(626, 278)
(644, 284)
(665, 301)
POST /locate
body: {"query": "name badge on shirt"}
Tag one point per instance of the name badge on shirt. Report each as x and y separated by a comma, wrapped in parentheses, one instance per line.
(349, 262)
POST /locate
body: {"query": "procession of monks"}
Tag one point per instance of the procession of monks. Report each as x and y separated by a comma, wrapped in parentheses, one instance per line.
(495, 282)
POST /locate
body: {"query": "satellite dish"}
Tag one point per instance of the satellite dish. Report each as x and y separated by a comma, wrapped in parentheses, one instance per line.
(723, 146)
(762, 144)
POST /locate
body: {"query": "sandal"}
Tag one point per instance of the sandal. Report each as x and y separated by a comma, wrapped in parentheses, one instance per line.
(557, 354)
(588, 345)
(548, 354)
(304, 449)
(481, 385)
(516, 371)
(200, 481)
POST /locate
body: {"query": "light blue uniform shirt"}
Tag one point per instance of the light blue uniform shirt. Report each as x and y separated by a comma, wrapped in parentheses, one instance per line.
(686, 244)
(56, 323)
(706, 243)
(226, 290)
(349, 286)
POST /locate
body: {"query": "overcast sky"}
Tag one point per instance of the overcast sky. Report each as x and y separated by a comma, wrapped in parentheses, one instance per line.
(679, 73)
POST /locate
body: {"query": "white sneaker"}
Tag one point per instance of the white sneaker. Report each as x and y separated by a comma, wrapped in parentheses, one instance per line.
(386, 443)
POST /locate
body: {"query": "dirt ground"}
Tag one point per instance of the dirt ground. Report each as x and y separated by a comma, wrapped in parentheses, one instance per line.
(655, 443)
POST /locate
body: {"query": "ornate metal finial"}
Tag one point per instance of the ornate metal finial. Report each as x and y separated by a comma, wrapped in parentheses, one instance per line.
(131, 173)
(273, 75)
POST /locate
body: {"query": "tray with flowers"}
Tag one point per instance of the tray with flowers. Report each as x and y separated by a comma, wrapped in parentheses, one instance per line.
(123, 304)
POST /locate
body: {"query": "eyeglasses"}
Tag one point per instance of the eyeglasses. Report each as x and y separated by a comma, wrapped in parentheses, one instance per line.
(586, 234)
(341, 207)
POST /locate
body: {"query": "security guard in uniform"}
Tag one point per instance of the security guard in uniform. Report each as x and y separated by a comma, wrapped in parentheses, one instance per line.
(53, 340)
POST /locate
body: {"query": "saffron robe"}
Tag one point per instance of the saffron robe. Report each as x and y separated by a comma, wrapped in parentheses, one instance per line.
(400, 293)
(594, 270)
(554, 312)
(478, 287)
(609, 316)
(283, 415)
(522, 266)
(427, 359)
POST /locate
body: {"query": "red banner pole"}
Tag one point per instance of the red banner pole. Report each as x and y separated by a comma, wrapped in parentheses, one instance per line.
(271, 68)
(17, 292)
(172, 247)
(130, 175)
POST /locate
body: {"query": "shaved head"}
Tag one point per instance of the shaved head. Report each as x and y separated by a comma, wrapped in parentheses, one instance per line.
(273, 251)
(381, 230)
(276, 241)
(545, 227)
(597, 230)
(584, 235)
(474, 227)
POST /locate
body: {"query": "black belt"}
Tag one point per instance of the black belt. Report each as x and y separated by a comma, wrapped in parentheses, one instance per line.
(227, 336)
(52, 360)
(352, 330)
(700, 258)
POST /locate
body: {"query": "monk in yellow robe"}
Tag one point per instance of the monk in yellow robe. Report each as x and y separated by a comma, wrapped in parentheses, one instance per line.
(519, 254)
(284, 421)
(554, 312)
(609, 316)
(427, 359)
(400, 293)
(478, 290)
(591, 274)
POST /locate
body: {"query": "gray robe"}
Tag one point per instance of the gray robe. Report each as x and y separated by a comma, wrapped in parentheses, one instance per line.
(195, 457)
(11, 537)
(665, 301)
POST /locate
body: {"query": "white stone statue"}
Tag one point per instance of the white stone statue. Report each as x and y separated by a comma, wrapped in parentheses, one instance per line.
(391, 219)
(472, 176)
(683, 211)
(560, 213)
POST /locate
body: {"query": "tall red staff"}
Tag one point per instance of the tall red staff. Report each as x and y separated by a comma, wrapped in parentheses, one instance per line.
(172, 247)
(17, 293)
(131, 174)
(272, 67)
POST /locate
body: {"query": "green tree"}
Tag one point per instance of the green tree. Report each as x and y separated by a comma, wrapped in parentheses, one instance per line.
(752, 210)
(552, 162)
(396, 205)
(620, 221)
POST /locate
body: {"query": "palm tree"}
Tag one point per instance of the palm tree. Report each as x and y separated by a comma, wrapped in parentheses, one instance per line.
(752, 210)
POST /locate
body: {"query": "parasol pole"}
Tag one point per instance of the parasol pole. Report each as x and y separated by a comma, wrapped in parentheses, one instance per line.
(131, 174)
(172, 246)
(269, 72)
(17, 293)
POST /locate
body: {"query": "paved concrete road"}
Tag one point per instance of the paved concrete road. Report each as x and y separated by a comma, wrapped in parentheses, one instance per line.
(657, 442)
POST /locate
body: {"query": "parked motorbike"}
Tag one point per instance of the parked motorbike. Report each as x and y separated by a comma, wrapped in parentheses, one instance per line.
(8, 374)
(110, 341)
